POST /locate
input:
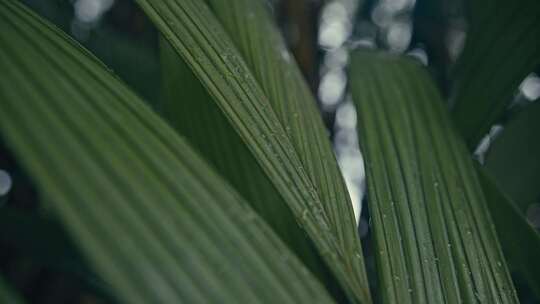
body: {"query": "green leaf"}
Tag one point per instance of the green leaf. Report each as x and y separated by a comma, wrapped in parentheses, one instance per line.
(290, 97)
(8, 295)
(434, 238)
(520, 242)
(501, 48)
(500, 51)
(198, 38)
(188, 107)
(153, 219)
(513, 159)
(120, 53)
(510, 179)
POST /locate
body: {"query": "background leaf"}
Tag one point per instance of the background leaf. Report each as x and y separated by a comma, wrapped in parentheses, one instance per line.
(433, 233)
(501, 48)
(510, 179)
(512, 159)
(520, 242)
(155, 221)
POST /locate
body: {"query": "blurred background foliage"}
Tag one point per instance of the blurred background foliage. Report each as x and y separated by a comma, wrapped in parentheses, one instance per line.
(320, 34)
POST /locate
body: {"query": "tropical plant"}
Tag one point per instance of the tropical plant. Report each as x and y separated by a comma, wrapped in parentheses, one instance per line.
(227, 190)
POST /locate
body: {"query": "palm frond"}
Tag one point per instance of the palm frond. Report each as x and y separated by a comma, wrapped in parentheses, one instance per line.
(189, 108)
(288, 93)
(156, 222)
(198, 38)
(434, 238)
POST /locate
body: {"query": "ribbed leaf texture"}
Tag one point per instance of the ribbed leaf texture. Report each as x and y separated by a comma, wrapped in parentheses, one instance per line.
(199, 39)
(290, 97)
(158, 225)
(520, 242)
(501, 48)
(434, 239)
(189, 108)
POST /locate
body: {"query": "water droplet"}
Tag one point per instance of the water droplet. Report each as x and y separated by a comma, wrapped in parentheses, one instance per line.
(285, 55)
(305, 214)
(170, 22)
(5, 182)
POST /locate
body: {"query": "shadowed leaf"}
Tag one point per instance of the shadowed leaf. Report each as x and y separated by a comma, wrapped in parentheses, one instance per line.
(513, 158)
(520, 242)
(501, 48)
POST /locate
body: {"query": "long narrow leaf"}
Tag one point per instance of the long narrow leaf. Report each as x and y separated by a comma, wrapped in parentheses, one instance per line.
(189, 108)
(155, 221)
(520, 242)
(289, 95)
(514, 157)
(510, 179)
(434, 236)
(198, 38)
(501, 48)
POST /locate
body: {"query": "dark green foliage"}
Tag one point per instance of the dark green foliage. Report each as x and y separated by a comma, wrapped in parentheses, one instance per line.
(501, 49)
(433, 232)
(154, 220)
(220, 185)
